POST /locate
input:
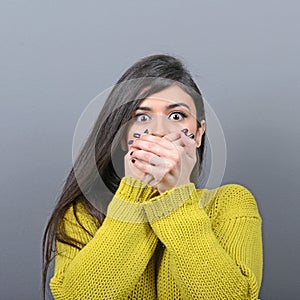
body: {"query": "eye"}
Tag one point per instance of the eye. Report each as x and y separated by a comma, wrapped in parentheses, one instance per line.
(142, 118)
(177, 116)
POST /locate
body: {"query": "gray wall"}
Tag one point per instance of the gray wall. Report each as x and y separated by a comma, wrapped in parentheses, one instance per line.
(57, 55)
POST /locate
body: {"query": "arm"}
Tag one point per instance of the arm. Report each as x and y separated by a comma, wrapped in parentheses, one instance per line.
(113, 260)
(211, 260)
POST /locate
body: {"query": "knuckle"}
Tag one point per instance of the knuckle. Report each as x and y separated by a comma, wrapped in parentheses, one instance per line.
(176, 158)
(169, 166)
(151, 146)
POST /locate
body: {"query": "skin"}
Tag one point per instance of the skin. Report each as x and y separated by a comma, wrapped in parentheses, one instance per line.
(164, 156)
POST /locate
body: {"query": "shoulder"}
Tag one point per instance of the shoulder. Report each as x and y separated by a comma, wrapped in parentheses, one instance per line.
(230, 200)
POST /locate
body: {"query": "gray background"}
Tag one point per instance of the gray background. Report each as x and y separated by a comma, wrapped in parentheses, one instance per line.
(57, 55)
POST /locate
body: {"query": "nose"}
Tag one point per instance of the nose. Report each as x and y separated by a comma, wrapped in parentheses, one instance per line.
(159, 126)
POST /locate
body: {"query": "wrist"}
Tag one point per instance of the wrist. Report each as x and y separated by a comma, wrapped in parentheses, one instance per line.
(127, 204)
(164, 187)
(135, 190)
(169, 201)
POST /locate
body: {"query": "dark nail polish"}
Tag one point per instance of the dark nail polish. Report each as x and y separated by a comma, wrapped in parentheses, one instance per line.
(130, 142)
(133, 161)
(146, 131)
(185, 131)
(191, 136)
(136, 135)
(131, 153)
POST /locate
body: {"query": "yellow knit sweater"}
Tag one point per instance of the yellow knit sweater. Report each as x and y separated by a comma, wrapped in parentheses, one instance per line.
(186, 243)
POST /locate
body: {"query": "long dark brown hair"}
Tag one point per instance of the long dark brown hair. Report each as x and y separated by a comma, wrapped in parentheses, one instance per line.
(150, 75)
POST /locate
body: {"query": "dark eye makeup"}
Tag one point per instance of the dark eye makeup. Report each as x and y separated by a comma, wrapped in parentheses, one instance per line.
(140, 116)
(182, 115)
(144, 117)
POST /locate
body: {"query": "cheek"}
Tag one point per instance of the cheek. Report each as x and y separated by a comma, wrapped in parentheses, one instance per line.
(126, 136)
(132, 129)
(191, 126)
(140, 128)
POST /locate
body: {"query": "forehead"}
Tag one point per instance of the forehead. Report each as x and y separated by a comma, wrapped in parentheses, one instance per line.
(171, 94)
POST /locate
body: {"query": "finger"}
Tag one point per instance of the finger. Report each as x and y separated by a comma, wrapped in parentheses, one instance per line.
(170, 137)
(173, 136)
(132, 149)
(185, 147)
(142, 166)
(151, 147)
(185, 142)
(148, 178)
(155, 171)
(158, 167)
(146, 156)
(131, 170)
(157, 155)
(162, 142)
(154, 182)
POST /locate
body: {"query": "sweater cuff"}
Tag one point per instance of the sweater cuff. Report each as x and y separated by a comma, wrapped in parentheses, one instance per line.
(127, 204)
(168, 202)
(135, 190)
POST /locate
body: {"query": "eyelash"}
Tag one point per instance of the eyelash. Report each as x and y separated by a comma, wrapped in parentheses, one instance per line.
(183, 115)
(138, 115)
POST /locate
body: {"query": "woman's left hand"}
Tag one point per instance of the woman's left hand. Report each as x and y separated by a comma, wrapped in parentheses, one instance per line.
(169, 159)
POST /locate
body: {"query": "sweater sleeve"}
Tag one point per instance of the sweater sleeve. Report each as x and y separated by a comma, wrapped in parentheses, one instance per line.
(114, 258)
(219, 259)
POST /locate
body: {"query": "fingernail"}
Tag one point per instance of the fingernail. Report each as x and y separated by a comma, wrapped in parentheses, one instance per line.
(131, 153)
(136, 135)
(185, 130)
(191, 136)
(146, 131)
(130, 142)
(133, 161)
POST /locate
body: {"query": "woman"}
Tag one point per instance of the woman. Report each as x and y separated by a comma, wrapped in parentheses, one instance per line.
(161, 237)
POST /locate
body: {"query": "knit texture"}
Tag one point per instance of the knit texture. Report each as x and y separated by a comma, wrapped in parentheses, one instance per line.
(186, 243)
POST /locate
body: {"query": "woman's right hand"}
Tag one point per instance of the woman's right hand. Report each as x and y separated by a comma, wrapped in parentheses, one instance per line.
(132, 171)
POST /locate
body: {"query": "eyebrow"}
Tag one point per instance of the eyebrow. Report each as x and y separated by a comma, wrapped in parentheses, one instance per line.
(173, 105)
